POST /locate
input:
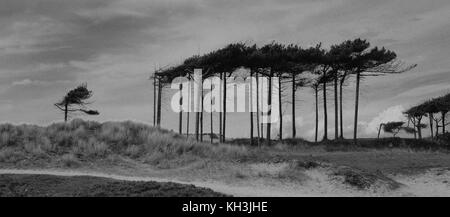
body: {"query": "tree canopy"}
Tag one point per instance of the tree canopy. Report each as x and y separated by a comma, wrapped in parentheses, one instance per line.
(75, 101)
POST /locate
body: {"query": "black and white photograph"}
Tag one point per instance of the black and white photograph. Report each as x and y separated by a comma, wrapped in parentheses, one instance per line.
(224, 98)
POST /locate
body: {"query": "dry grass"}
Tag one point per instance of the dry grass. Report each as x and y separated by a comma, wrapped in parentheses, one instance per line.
(80, 140)
(79, 143)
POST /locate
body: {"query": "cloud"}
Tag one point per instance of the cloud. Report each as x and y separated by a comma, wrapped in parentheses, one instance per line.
(434, 89)
(394, 113)
(287, 125)
(22, 82)
(28, 82)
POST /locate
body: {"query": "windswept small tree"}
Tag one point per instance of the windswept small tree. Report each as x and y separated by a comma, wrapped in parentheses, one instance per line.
(76, 101)
(393, 127)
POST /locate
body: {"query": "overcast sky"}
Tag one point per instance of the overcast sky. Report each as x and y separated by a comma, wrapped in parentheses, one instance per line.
(49, 46)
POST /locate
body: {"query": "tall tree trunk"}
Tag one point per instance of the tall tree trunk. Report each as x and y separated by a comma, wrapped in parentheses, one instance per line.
(355, 127)
(251, 107)
(211, 116)
(158, 114)
(316, 94)
(201, 115)
(436, 121)
(189, 105)
(224, 107)
(336, 117)
(379, 130)
(197, 113)
(269, 113)
(220, 107)
(180, 121)
(66, 111)
(316, 91)
(443, 122)
(257, 108)
(197, 125)
(419, 127)
(430, 116)
(325, 112)
(154, 101)
(280, 107)
(293, 106)
(262, 132)
(341, 116)
(415, 128)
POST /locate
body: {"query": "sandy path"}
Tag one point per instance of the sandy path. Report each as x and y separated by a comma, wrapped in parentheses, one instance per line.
(239, 191)
(435, 182)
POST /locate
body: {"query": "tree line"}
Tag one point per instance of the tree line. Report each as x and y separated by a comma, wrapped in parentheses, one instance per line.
(325, 70)
(436, 109)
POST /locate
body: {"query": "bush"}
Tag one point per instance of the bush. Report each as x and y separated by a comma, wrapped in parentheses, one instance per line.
(444, 139)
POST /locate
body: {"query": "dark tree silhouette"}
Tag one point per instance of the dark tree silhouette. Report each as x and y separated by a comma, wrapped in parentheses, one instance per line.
(444, 108)
(320, 65)
(373, 62)
(437, 109)
(315, 86)
(293, 52)
(75, 101)
(393, 127)
(415, 115)
(340, 57)
(297, 84)
(337, 64)
(324, 68)
(379, 130)
(301, 60)
(430, 107)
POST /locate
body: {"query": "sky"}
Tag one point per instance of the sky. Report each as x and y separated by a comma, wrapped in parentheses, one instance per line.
(48, 47)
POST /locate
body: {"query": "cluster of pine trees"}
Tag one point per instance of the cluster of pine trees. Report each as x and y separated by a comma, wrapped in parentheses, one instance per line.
(436, 109)
(293, 65)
